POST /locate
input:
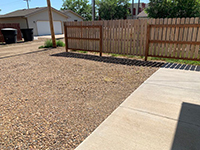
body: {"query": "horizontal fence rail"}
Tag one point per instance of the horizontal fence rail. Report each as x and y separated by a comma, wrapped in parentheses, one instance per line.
(83, 37)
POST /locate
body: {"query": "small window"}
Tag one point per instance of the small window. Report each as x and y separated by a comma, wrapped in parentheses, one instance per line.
(75, 20)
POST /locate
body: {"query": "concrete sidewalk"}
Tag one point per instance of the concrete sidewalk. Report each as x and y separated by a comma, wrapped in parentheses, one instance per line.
(58, 36)
(162, 114)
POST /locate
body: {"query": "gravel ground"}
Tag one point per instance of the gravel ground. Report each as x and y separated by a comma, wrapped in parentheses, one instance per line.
(53, 100)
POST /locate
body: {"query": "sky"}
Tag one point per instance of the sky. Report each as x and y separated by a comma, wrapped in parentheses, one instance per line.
(7, 6)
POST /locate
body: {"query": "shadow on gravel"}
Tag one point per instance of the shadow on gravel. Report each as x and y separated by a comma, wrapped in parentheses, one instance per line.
(114, 60)
(129, 62)
(3, 43)
(46, 49)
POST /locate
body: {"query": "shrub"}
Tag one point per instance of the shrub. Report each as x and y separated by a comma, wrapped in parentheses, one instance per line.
(48, 43)
(60, 43)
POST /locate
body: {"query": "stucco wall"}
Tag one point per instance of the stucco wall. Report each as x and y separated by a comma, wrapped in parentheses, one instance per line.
(73, 17)
(44, 16)
(21, 21)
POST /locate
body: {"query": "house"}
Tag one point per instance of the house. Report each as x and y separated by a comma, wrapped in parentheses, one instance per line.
(142, 15)
(38, 19)
(72, 15)
(135, 10)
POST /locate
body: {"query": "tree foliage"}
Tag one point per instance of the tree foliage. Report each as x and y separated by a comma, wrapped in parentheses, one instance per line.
(113, 9)
(81, 7)
(173, 8)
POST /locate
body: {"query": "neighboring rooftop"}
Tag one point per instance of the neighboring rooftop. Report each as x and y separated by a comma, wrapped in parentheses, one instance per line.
(21, 12)
(68, 10)
(143, 14)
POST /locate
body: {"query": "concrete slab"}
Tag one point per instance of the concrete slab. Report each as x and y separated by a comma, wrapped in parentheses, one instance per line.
(163, 113)
(58, 36)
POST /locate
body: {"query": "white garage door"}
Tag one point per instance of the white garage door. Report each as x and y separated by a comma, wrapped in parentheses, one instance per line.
(43, 27)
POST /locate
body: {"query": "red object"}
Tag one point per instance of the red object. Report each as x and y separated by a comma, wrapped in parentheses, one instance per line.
(10, 25)
(143, 5)
(134, 11)
(140, 9)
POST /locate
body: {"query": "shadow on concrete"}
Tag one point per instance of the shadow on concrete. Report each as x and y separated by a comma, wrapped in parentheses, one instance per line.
(187, 136)
(181, 66)
(107, 59)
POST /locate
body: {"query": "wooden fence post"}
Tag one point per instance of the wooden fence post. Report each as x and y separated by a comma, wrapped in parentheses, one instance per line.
(66, 37)
(101, 40)
(147, 42)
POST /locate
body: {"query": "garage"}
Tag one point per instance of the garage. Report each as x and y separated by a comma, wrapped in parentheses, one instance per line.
(43, 27)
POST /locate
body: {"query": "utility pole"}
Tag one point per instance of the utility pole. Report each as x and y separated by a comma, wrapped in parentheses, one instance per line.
(138, 7)
(51, 24)
(27, 3)
(93, 10)
(132, 8)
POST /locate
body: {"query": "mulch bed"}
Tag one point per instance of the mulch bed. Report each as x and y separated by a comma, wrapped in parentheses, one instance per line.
(54, 100)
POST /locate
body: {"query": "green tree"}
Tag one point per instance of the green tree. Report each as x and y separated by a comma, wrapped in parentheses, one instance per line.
(81, 7)
(113, 9)
(186, 8)
(173, 8)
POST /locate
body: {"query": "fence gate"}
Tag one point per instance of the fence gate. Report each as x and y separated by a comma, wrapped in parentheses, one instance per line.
(83, 37)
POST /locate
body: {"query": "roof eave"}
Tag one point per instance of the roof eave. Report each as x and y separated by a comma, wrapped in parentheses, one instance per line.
(76, 14)
(45, 9)
(12, 17)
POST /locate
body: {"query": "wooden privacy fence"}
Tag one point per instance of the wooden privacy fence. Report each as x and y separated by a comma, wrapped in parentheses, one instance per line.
(177, 38)
(85, 38)
(125, 37)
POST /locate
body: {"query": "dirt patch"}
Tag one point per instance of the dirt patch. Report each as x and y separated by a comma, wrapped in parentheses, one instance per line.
(54, 100)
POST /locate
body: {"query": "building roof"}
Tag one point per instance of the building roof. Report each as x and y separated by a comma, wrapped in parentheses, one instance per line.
(142, 14)
(27, 12)
(68, 10)
(22, 12)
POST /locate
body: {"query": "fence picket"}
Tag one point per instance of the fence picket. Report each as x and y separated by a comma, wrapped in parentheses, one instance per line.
(168, 31)
(197, 51)
(180, 38)
(185, 37)
(134, 38)
(141, 35)
(189, 37)
(152, 37)
(164, 38)
(130, 36)
(193, 38)
(160, 38)
(156, 37)
(144, 38)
